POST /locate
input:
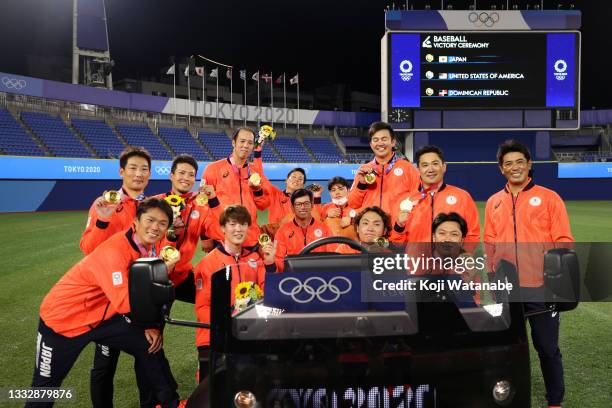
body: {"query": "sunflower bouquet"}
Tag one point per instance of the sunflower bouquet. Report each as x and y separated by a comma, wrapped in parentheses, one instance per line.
(246, 294)
(265, 132)
(177, 203)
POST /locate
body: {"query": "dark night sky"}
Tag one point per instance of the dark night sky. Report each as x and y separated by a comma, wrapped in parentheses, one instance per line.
(332, 41)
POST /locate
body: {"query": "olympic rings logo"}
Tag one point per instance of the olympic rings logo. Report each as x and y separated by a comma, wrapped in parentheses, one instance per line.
(162, 170)
(483, 18)
(313, 292)
(13, 83)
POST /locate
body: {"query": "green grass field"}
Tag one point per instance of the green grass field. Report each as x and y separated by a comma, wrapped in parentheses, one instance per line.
(38, 248)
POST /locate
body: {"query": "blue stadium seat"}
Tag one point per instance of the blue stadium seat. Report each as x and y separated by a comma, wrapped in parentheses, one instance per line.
(217, 143)
(14, 140)
(291, 149)
(54, 133)
(100, 136)
(324, 150)
(143, 136)
(180, 141)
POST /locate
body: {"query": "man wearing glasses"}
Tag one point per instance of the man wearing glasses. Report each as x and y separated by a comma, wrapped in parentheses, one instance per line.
(294, 235)
(524, 212)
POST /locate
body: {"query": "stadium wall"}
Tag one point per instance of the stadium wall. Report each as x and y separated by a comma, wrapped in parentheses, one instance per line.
(52, 184)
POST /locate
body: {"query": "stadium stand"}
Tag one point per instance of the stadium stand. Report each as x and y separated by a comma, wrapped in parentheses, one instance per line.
(181, 141)
(324, 150)
(143, 136)
(269, 156)
(14, 139)
(217, 143)
(291, 149)
(100, 137)
(54, 133)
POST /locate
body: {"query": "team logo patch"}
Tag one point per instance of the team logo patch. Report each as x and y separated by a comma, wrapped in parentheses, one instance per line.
(535, 201)
(352, 213)
(195, 214)
(224, 175)
(252, 263)
(451, 200)
(291, 234)
(117, 278)
(398, 171)
(318, 233)
(199, 284)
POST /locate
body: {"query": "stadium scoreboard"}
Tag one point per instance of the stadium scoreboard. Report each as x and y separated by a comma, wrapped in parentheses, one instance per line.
(446, 80)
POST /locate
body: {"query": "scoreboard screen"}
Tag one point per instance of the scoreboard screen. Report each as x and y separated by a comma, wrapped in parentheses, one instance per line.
(481, 70)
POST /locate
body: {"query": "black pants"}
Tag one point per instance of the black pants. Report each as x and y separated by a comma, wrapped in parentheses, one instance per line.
(106, 359)
(545, 337)
(204, 361)
(56, 354)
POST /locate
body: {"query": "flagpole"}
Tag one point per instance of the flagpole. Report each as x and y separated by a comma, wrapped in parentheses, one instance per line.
(231, 97)
(246, 111)
(174, 90)
(285, 97)
(272, 97)
(203, 94)
(258, 112)
(188, 97)
(217, 95)
(298, 102)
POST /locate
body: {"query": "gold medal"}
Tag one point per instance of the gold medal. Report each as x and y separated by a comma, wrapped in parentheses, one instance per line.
(264, 239)
(406, 205)
(370, 178)
(169, 254)
(112, 197)
(255, 179)
(315, 188)
(382, 242)
(201, 199)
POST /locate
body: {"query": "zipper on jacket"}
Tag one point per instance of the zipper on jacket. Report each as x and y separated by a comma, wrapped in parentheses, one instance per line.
(382, 180)
(515, 234)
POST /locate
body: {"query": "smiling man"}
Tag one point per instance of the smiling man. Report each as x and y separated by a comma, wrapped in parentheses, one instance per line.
(248, 265)
(526, 212)
(413, 222)
(89, 303)
(191, 224)
(230, 178)
(394, 175)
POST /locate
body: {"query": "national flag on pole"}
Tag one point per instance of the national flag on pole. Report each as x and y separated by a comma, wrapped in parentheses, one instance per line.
(295, 79)
(187, 71)
(280, 79)
(199, 71)
(267, 78)
(214, 73)
(255, 76)
(170, 70)
(228, 74)
(243, 74)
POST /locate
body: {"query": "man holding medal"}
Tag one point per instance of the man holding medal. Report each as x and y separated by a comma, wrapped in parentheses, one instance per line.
(90, 301)
(414, 212)
(114, 211)
(338, 215)
(380, 181)
(194, 209)
(236, 182)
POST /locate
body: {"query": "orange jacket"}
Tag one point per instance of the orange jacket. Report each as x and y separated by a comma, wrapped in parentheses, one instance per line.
(447, 199)
(232, 187)
(395, 178)
(334, 223)
(292, 238)
(248, 267)
(98, 231)
(536, 216)
(94, 289)
(194, 217)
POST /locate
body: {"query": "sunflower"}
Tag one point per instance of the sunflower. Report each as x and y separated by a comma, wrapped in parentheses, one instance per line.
(258, 291)
(243, 290)
(174, 200)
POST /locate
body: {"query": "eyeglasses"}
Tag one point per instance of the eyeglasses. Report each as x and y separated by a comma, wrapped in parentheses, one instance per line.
(304, 204)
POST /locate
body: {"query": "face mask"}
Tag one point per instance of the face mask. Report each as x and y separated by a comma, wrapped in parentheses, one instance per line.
(340, 201)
